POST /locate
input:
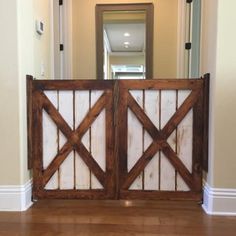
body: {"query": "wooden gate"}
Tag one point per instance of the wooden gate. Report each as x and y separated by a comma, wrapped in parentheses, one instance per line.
(127, 139)
(160, 139)
(72, 139)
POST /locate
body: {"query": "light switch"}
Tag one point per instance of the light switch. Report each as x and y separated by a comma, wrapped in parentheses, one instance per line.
(42, 69)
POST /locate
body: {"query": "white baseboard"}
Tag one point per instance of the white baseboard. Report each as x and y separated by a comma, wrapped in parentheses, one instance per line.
(15, 197)
(219, 201)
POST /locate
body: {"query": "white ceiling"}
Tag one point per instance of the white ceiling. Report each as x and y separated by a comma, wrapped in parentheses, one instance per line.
(115, 34)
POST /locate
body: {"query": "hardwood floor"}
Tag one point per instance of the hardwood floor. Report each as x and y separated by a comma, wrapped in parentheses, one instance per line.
(73, 217)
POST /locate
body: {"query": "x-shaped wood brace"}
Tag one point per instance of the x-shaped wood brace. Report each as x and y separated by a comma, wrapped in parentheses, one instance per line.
(160, 140)
(73, 138)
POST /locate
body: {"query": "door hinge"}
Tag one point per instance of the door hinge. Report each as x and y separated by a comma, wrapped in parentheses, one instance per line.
(60, 2)
(61, 47)
(189, 1)
(188, 46)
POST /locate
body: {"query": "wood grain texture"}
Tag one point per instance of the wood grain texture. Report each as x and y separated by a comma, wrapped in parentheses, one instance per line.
(162, 84)
(111, 162)
(73, 137)
(29, 98)
(152, 109)
(37, 144)
(73, 117)
(184, 141)
(50, 140)
(115, 218)
(101, 143)
(72, 85)
(206, 79)
(98, 139)
(135, 139)
(81, 110)
(167, 171)
(198, 132)
(122, 135)
(66, 169)
(164, 139)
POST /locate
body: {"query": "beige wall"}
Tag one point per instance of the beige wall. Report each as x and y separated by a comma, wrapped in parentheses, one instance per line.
(21, 53)
(127, 60)
(26, 66)
(225, 97)
(42, 49)
(165, 37)
(218, 58)
(9, 93)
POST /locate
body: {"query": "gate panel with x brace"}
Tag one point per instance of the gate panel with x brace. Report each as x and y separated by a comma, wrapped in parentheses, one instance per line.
(152, 132)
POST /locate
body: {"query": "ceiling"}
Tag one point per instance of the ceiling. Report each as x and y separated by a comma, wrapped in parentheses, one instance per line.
(116, 39)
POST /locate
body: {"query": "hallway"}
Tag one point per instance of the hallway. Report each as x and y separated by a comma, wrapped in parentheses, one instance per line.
(73, 217)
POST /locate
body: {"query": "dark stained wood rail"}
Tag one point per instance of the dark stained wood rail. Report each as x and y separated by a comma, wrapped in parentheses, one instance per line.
(195, 101)
(116, 100)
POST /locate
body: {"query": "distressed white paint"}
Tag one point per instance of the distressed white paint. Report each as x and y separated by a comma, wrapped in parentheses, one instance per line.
(50, 144)
(168, 108)
(67, 167)
(151, 172)
(136, 147)
(184, 140)
(82, 172)
(135, 139)
(98, 140)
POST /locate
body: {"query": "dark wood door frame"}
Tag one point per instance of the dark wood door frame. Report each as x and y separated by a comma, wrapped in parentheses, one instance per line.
(148, 8)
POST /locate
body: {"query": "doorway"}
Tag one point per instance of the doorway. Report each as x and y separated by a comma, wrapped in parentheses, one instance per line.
(189, 14)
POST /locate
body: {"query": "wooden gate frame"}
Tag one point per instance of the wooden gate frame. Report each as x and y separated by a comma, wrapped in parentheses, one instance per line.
(116, 100)
(198, 100)
(39, 101)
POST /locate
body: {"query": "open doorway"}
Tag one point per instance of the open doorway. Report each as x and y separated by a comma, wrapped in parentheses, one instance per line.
(187, 41)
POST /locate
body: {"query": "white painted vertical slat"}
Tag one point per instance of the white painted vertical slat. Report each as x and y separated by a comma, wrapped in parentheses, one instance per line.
(184, 141)
(67, 167)
(50, 141)
(135, 139)
(82, 173)
(98, 140)
(151, 172)
(168, 108)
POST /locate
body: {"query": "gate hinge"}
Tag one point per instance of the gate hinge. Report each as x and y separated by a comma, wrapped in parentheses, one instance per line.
(188, 46)
(60, 2)
(61, 47)
(189, 1)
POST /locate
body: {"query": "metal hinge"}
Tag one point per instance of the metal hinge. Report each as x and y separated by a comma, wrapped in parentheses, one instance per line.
(61, 47)
(188, 46)
(189, 1)
(60, 2)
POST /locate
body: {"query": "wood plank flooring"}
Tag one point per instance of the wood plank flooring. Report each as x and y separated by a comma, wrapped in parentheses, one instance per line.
(113, 218)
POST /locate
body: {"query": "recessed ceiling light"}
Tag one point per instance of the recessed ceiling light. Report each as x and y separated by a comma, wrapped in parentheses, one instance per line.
(126, 46)
(126, 43)
(126, 34)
